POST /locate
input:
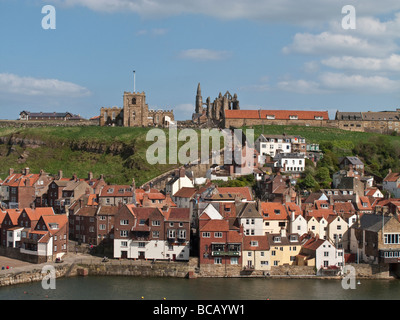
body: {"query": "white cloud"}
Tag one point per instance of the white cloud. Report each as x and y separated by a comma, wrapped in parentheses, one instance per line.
(336, 44)
(390, 64)
(329, 82)
(300, 86)
(307, 12)
(28, 86)
(204, 55)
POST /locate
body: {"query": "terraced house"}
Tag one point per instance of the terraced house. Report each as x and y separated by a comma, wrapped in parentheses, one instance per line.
(152, 233)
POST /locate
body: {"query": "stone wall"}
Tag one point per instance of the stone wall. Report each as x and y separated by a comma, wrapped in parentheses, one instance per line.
(372, 271)
(383, 127)
(14, 253)
(34, 124)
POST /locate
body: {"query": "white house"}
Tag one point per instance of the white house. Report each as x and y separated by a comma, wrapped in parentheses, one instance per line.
(318, 226)
(297, 224)
(338, 231)
(290, 162)
(272, 144)
(373, 192)
(179, 181)
(13, 236)
(327, 256)
(250, 219)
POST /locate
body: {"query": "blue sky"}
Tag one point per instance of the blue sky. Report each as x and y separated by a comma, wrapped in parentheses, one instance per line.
(275, 54)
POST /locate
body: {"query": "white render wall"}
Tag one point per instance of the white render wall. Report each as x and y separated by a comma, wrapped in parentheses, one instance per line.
(154, 249)
(298, 225)
(257, 227)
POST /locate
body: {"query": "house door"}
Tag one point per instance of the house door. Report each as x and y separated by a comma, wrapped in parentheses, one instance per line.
(250, 264)
(141, 255)
(124, 254)
(174, 257)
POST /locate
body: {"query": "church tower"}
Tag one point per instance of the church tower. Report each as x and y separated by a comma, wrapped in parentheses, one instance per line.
(199, 100)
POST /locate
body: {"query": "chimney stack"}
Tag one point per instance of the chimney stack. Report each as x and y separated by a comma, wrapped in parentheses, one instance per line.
(90, 175)
(283, 232)
(11, 171)
(26, 171)
(60, 174)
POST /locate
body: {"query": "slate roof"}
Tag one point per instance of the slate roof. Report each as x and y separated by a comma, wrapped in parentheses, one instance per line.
(373, 222)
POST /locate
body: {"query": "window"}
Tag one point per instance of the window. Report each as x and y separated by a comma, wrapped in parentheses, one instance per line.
(254, 243)
(217, 260)
(392, 238)
(156, 234)
(217, 234)
(205, 234)
(123, 233)
(171, 233)
(142, 222)
(182, 234)
(234, 260)
(124, 243)
(142, 244)
(124, 222)
(156, 223)
(326, 253)
(102, 227)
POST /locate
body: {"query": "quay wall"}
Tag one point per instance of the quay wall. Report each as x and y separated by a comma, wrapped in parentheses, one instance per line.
(179, 270)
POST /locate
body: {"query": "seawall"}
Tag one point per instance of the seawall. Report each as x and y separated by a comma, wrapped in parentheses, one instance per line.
(178, 270)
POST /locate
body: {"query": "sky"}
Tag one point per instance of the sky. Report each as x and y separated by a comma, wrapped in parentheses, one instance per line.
(275, 54)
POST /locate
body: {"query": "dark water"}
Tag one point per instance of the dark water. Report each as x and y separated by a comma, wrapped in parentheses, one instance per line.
(133, 288)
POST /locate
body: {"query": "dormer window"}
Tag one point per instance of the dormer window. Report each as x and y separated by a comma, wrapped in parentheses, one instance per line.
(277, 239)
(270, 117)
(254, 243)
(277, 211)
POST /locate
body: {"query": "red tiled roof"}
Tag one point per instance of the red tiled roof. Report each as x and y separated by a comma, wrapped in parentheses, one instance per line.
(216, 225)
(263, 243)
(344, 207)
(291, 206)
(234, 237)
(60, 219)
(313, 243)
(185, 192)
(279, 114)
(19, 179)
(321, 213)
(243, 191)
(392, 177)
(116, 191)
(269, 211)
(177, 214)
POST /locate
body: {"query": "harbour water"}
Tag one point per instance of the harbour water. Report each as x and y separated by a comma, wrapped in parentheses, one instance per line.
(137, 288)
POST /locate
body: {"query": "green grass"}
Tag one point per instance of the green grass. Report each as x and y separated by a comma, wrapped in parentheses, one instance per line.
(120, 168)
(343, 141)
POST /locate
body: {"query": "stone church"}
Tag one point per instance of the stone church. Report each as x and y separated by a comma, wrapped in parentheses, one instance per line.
(135, 113)
(213, 112)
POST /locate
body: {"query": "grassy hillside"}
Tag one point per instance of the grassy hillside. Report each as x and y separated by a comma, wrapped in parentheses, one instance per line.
(379, 152)
(120, 153)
